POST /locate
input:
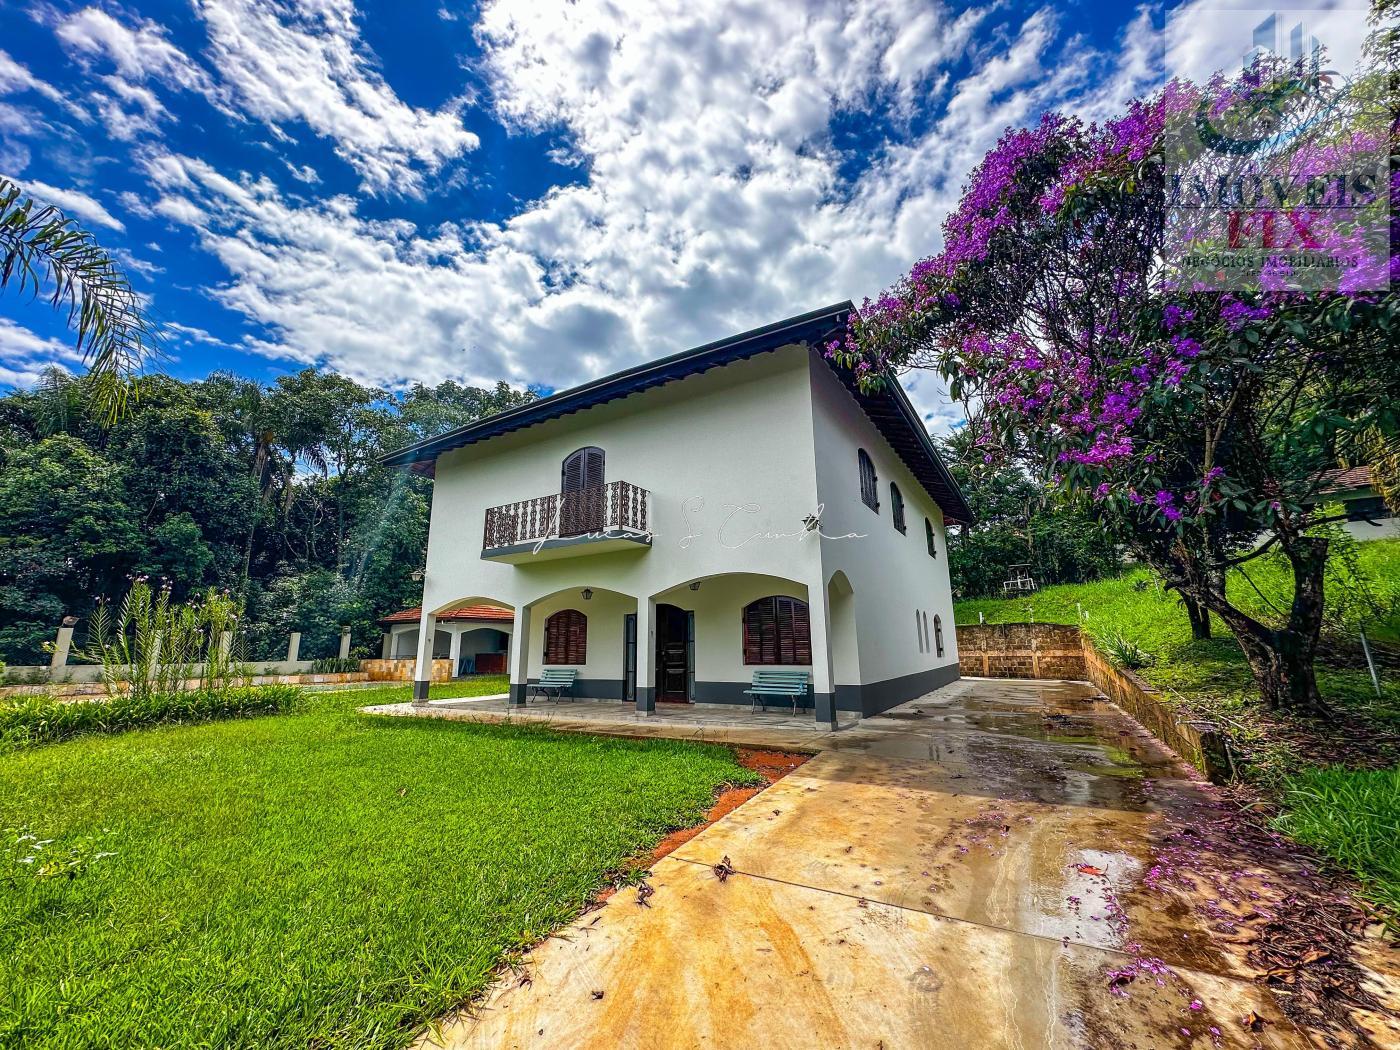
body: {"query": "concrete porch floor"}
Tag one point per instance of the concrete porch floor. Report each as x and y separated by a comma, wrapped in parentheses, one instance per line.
(726, 723)
(999, 864)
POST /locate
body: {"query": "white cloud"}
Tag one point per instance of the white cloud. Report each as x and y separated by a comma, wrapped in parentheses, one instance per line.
(15, 77)
(73, 203)
(713, 199)
(287, 62)
(277, 63)
(25, 354)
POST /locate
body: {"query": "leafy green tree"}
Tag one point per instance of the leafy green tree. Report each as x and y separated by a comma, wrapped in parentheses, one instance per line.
(66, 535)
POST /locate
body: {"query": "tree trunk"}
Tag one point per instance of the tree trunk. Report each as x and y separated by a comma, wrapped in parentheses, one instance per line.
(1281, 659)
(1199, 616)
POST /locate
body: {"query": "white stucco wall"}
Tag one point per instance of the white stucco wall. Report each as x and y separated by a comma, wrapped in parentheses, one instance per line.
(891, 573)
(726, 456)
(734, 460)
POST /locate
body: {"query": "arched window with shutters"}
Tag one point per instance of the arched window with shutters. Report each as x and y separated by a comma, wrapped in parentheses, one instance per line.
(776, 630)
(928, 534)
(566, 638)
(869, 483)
(897, 506)
(581, 505)
(919, 630)
(582, 469)
(938, 634)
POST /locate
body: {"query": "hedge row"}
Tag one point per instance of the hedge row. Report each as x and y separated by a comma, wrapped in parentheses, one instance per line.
(26, 721)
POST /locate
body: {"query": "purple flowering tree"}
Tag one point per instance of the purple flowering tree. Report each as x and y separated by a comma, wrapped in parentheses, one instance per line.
(1196, 423)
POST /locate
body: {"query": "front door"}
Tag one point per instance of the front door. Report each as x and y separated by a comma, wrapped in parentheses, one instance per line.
(675, 653)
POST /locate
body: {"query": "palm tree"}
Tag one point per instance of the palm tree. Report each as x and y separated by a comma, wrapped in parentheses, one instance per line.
(43, 251)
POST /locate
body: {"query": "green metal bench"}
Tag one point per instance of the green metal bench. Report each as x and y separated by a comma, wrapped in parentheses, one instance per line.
(785, 684)
(555, 682)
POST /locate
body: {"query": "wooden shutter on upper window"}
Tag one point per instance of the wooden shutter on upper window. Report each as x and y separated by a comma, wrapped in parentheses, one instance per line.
(583, 470)
(869, 483)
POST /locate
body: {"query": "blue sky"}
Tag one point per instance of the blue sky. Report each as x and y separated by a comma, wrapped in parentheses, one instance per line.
(523, 190)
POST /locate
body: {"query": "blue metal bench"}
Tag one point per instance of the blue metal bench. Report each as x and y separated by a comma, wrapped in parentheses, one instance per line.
(784, 684)
(555, 682)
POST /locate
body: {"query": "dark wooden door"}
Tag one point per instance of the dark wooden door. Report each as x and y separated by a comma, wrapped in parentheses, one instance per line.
(582, 493)
(673, 654)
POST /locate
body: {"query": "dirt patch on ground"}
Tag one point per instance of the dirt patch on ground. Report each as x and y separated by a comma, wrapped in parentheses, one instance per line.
(772, 766)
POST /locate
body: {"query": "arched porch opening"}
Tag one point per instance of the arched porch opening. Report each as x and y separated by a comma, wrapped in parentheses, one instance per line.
(845, 644)
(435, 641)
(692, 637)
(580, 628)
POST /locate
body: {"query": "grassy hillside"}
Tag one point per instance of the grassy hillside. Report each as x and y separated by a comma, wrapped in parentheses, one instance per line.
(1213, 673)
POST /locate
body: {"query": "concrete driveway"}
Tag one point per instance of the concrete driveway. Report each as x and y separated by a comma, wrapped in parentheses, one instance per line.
(1000, 864)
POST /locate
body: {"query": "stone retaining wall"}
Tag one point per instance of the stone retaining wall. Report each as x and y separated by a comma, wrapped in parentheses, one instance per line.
(1021, 650)
(1060, 651)
(402, 670)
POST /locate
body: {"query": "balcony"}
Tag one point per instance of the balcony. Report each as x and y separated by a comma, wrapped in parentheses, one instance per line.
(592, 520)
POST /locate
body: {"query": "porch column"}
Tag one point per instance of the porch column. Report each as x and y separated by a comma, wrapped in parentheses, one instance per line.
(293, 646)
(386, 650)
(646, 656)
(345, 643)
(823, 681)
(519, 659)
(423, 668)
(454, 648)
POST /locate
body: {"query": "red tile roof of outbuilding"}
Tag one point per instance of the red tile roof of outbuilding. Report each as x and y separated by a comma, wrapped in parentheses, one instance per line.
(465, 612)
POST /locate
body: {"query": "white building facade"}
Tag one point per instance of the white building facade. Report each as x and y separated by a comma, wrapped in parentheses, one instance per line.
(668, 531)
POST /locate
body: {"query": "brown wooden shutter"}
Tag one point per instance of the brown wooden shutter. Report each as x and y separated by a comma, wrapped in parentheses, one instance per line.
(566, 638)
(583, 470)
(777, 630)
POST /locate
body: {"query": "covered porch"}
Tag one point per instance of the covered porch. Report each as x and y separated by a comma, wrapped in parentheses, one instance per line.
(466, 639)
(690, 650)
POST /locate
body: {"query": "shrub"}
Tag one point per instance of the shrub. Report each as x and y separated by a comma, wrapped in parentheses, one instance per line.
(1125, 653)
(42, 720)
(335, 665)
(149, 645)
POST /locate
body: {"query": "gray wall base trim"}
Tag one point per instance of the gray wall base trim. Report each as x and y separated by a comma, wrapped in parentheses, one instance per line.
(590, 689)
(875, 697)
(868, 699)
(646, 700)
(420, 691)
(825, 711)
(517, 693)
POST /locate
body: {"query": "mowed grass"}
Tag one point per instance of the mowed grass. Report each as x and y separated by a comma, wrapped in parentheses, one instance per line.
(1135, 606)
(1352, 815)
(322, 879)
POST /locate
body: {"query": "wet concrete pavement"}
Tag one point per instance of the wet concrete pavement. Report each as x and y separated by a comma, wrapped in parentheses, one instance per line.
(999, 864)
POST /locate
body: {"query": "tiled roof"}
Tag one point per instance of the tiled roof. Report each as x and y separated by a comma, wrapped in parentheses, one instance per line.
(1344, 479)
(888, 408)
(465, 612)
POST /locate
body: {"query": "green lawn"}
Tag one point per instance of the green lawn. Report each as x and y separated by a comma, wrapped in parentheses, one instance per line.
(1352, 815)
(321, 878)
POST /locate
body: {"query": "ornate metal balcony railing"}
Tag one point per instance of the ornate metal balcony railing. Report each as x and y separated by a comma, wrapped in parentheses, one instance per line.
(602, 510)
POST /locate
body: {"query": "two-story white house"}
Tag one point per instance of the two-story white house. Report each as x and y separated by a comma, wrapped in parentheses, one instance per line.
(669, 530)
